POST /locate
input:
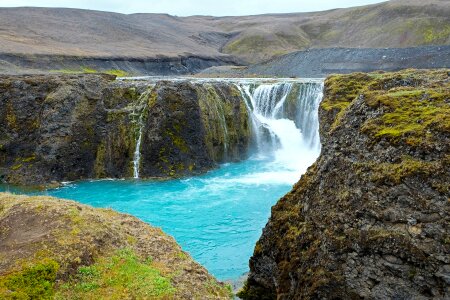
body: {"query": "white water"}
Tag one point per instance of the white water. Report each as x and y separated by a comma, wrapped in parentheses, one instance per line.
(293, 147)
(137, 154)
(291, 143)
(139, 109)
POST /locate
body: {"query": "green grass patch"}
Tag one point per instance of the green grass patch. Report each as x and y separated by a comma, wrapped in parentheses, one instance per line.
(118, 73)
(121, 276)
(35, 282)
(88, 70)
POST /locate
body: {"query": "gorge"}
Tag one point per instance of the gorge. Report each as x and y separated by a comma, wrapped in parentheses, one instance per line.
(149, 131)
(261, 151)
(368, 218)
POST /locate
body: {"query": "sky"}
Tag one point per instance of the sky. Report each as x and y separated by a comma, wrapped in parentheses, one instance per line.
(195, 7)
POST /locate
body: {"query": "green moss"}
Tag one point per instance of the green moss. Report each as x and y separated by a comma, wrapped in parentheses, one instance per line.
(436, 34)
(226, 124)
(340, 91)
(396, 172)
(16, 167)
(178, 141)
(121, 276)
(118, 73)
(413, 104)
(35, 282)
(11, 118)
(99, 167)
(246, 44)
(29, 159)
(89, 70)
(410, 115)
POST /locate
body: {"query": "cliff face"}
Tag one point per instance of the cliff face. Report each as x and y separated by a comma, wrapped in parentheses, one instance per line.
(69, 127)
(370, 218)
(55, 249)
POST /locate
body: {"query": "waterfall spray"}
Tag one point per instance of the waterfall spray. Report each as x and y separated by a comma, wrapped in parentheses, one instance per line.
(293, 141)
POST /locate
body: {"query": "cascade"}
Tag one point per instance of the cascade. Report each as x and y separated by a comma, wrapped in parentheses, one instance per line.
(137, 153)
(140, 110)
(289, 135)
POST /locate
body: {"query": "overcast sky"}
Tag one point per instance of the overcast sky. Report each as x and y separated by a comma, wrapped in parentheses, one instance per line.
(195, 7)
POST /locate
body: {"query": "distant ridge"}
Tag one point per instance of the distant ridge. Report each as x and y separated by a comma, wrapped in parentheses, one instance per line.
(249, 39)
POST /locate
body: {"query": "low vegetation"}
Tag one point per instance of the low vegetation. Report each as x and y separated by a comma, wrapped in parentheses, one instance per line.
(120, 276)
(411, 106)
(56, 249)
(88, 70)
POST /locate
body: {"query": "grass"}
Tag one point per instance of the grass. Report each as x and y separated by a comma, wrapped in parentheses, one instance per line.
(35, 282)
(121, 276)
(88, 70)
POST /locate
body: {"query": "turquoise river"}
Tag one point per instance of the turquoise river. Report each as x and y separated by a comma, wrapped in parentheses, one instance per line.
(218, 217)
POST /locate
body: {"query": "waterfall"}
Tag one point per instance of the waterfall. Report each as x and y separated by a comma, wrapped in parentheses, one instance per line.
(137, 154)
(284, 118)
(140, 110)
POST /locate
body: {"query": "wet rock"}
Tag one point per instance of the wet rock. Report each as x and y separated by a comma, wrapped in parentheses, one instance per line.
(71, 127)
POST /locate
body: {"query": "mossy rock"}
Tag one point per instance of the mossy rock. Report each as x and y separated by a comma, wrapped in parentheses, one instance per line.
(57, 249)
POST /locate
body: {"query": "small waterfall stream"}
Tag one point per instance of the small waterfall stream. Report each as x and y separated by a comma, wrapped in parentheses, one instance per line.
(137, 153)
(140, 109)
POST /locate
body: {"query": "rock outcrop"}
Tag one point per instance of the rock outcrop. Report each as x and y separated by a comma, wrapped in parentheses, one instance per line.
(68, 127)
(370, 219)
(57, 249)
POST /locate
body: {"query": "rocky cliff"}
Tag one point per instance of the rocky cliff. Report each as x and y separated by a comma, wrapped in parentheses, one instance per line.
(370, 219)
(55, 249)
(69, 127)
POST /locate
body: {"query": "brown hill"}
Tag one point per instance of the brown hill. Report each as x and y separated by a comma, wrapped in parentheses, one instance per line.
(251, 39)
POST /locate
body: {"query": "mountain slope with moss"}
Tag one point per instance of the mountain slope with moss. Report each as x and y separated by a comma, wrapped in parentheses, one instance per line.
(370, 219)
(57, 249)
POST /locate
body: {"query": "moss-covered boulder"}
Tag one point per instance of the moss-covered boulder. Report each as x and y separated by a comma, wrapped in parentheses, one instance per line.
(57, 249)
(370, 218)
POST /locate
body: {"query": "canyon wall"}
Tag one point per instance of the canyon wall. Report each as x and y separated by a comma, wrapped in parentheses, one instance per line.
(370, 218)
(67, 127)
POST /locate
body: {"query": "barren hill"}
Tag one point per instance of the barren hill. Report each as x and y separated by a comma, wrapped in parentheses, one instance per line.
(248, 39)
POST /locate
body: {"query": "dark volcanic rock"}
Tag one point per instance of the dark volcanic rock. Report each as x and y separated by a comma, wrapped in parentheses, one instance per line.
(370, 219)
(163, 66)
(69, 127)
